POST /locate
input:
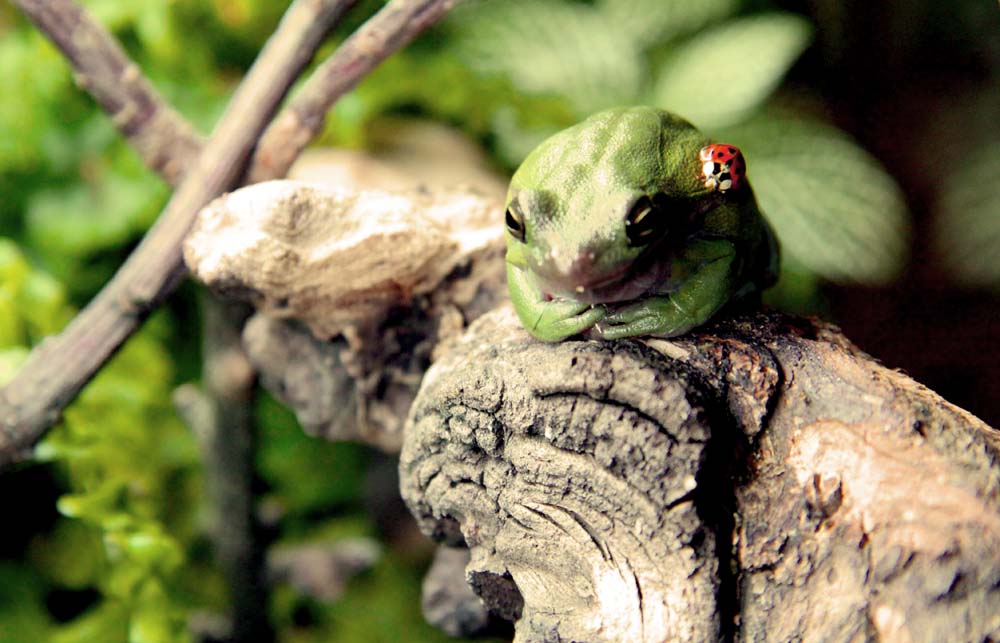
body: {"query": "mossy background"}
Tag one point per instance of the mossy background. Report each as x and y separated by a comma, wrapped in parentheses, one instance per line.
(870, 131)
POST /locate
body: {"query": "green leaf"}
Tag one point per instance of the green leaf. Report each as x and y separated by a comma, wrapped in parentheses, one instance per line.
(288, 460)
(153, 549)
(834, 208)
(71, 555)
(798, 291)
(383, 605)
(22, 609)
(647, 22)
(32, 304)
(87, 217)
(107, 622)
(721, 75)
(516, 140)
(11, 360)
(551, 47)
(157, 619)
(968, 223)
(33, 79)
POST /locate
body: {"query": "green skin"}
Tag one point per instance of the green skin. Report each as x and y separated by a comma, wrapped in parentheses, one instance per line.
(571, 266)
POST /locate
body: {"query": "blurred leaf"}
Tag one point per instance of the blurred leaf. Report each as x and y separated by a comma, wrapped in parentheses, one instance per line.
(33, 80)
(22, 613)
(798, 290)
(515, 140)
(646, 22)
(32, 304)
(72, 555)
(550, 47)
(833, 206)
(968, 223)
(87, 217)
(442, 86)
(721, 75)
(157, 620)
(11, 360)
(127, 455)
(305, 474)
(106, 623)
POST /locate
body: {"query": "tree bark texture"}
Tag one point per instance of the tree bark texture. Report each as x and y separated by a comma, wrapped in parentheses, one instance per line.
(356, 291)
(758, 480)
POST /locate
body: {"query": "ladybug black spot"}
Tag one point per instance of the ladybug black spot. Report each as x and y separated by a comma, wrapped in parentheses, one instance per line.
(719, 154)
(732, 150)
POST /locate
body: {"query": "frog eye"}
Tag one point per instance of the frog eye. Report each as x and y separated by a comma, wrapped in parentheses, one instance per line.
(645, 222)
(515, 223)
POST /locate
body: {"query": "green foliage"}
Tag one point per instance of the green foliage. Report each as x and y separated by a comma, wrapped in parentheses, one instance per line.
(32, 304)
(129, 464)
(22, 611)
(551, 47)
(305, 475)
(382, 606)
(75, 195)
(969, 217)
(836, 210)
(438, 83)
(651, 22)
(393, 585)
(720, 76)
(71, 224)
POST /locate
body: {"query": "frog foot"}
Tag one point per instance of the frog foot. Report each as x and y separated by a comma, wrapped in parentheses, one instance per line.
(559, 319)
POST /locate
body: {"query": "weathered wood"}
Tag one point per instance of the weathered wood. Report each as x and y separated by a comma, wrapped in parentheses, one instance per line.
(381, 280)
(569, 470)
(447, 601)
(759, 480)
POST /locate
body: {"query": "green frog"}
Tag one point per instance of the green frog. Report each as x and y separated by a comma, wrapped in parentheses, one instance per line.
(632, 223)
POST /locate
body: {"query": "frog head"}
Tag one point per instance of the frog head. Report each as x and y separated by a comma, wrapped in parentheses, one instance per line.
(594, 212)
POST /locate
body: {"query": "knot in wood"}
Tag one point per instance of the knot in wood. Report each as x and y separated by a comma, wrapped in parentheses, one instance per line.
(570, 470)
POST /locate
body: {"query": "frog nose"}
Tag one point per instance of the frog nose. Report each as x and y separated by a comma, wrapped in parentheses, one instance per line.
(574, 266)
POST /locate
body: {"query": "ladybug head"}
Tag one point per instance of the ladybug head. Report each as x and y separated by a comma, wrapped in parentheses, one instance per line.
(722, 167)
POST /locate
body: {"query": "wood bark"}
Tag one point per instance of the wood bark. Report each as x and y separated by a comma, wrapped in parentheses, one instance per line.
(758, 480)
(356, 290)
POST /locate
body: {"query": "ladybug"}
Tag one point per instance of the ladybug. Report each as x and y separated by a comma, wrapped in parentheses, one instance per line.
(723, 167)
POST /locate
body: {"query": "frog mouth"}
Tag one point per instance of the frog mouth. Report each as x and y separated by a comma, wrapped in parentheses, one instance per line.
(626, 283)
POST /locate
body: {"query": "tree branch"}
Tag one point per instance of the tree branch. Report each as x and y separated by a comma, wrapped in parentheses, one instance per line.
(221, 416)
(759, 479)
(389, 30)
(59, 367)
(166, 143)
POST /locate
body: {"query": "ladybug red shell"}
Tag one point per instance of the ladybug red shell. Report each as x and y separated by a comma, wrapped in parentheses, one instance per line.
(723, 167)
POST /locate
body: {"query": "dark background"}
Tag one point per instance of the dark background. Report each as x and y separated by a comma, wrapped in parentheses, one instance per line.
(917, 84)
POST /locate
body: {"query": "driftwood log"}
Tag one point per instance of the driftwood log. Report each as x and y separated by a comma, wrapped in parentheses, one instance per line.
(760, 479)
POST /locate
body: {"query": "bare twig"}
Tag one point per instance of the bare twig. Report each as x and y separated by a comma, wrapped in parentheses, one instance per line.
(228, 446)
(59, 367)
(392, 28)
(164, 140)
(220, 415)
